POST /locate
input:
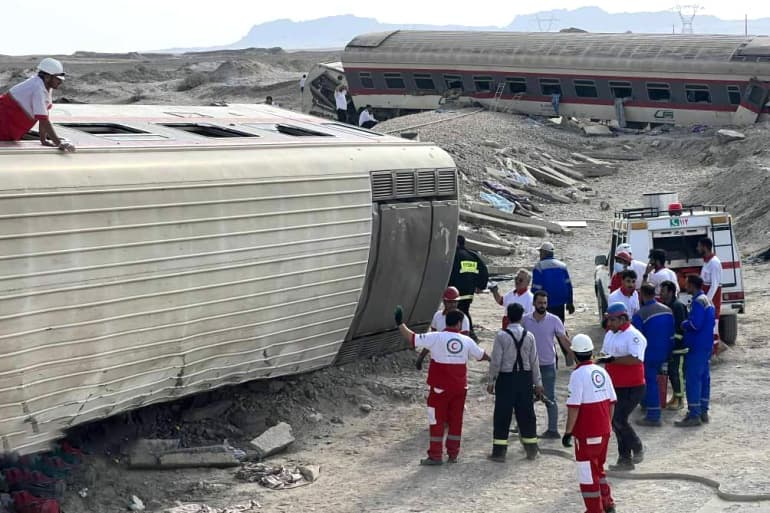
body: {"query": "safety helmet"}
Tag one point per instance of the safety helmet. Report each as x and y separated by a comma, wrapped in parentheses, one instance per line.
(451, 294)
(624, 247)
(617, 309)
(582, 343)
(52, 67)
(624, 256)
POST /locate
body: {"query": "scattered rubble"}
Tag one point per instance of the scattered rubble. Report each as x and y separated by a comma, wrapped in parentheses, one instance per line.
(166, 454)
(274, 440)
(725, 136)
(278, 477)
(204, 508)
(135, 504)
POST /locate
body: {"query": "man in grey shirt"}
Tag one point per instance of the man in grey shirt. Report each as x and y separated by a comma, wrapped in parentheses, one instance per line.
(513, 372)
(547, 328)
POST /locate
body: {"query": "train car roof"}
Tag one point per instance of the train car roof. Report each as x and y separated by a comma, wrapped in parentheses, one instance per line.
(545, 49)
(127, 126)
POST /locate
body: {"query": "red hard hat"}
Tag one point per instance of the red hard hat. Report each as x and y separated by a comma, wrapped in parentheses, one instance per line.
(451, 294)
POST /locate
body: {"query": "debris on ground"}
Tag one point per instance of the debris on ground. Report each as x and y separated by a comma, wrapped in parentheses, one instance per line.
(204, 508)
(278, 477)
(725, 136)
(274, 440)
(165, 454)
(135, 504)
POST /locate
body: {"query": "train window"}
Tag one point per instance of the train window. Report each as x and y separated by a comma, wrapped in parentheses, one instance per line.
(658, 92)
(734, 95)
(394, 81)
(424, 81)
(697, 93)
(620, 89)
(516, 85)
(483, 84)
(103, 128)
(366, 80)
(292, 130)
(549, 86)
(454, 82)
(586, 89)
(207, 130)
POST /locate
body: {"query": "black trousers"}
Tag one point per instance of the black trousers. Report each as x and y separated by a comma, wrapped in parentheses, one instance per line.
(368, 124)
(465, 307)
(628, 399)
(342, 115)
(676, 372)
(513, 396)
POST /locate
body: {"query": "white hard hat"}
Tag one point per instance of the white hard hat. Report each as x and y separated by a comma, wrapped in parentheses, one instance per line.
(546, 246)
(582, 343)
(52, 67)
(624, 247)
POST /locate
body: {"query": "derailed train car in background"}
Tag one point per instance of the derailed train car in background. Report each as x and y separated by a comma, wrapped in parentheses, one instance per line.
(632, 78)
(185, 248)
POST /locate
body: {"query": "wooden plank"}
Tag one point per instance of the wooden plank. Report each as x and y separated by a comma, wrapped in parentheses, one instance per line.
(510, 226)
(548, 177)
(488, 249)
(573, 224)
(491, 211)
(540, 193)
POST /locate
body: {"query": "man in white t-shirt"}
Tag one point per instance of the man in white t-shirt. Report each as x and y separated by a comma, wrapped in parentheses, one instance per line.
(657, 272)
(448, 382)
(520, 294)
(341, 101)
(367, 119)
(28, 103)
(302, 84)
(711, 274)
(627, 293)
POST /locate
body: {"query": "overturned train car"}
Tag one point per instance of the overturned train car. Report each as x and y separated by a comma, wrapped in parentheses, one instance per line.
(186, 248)
(630, 78)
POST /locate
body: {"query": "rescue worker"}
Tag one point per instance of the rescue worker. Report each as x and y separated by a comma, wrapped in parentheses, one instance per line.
(513, 371)
(366, 119)
(28, 103)
(622, 262)
(590, 408)
(341, 102)
(637, 266)
(448, 381)
(656, 322)
(469, 276)
(711, 274)
(438, 323)
(698, 339)
(657, 272)
(520, 294)
(668, 296)
(623, 350)
(548, 329)
(627, 293)
(552, 276)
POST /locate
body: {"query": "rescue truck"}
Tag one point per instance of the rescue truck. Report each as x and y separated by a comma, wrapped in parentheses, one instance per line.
(664, 223)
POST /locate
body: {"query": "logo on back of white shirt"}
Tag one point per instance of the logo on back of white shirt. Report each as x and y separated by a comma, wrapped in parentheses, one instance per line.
(597, 378)
(454, 346)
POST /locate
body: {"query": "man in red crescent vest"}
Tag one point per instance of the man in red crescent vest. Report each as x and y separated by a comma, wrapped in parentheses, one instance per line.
(450, 351)
(28, 103)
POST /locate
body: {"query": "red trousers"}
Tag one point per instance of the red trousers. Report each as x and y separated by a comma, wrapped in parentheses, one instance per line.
(445, 409)
(590, 454)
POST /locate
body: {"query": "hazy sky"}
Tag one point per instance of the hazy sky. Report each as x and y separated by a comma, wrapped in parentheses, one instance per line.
(64, 26)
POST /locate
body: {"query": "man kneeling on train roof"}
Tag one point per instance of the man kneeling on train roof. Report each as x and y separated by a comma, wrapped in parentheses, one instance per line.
(28, 103)
(448, 381)
(366, 119)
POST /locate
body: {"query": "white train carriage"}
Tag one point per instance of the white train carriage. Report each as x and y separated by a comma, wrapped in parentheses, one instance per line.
(185, 248)
(631, 78)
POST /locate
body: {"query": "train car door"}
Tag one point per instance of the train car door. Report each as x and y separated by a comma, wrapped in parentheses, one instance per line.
(752, 103)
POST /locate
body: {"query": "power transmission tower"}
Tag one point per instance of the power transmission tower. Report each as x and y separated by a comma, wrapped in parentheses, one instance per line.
(550, 20)
(687, 14)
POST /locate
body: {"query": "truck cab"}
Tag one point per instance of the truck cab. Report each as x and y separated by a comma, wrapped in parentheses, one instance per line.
(664, 223)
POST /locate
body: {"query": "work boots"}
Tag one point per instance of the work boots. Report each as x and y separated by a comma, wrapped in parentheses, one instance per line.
(688, 421)
(498, 453)
(623, 465)
(676, 403)
(531, 450)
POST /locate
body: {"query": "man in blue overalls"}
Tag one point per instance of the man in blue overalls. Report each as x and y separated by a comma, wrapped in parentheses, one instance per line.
(656, 322)
(699, 340)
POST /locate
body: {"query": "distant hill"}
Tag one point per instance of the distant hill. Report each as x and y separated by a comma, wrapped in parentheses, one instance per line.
(336, 31)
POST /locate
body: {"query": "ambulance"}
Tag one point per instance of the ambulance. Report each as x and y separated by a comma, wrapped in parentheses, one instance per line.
(664, 223)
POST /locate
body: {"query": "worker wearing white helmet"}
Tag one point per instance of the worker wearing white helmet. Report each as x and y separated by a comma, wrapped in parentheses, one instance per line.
(590, 408)
(640, 268)
(28, 103)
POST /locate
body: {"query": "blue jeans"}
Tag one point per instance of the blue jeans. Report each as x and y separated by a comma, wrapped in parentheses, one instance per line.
(548, 373)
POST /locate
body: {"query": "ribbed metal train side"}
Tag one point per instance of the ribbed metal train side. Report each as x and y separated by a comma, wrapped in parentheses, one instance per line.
(135, 277)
